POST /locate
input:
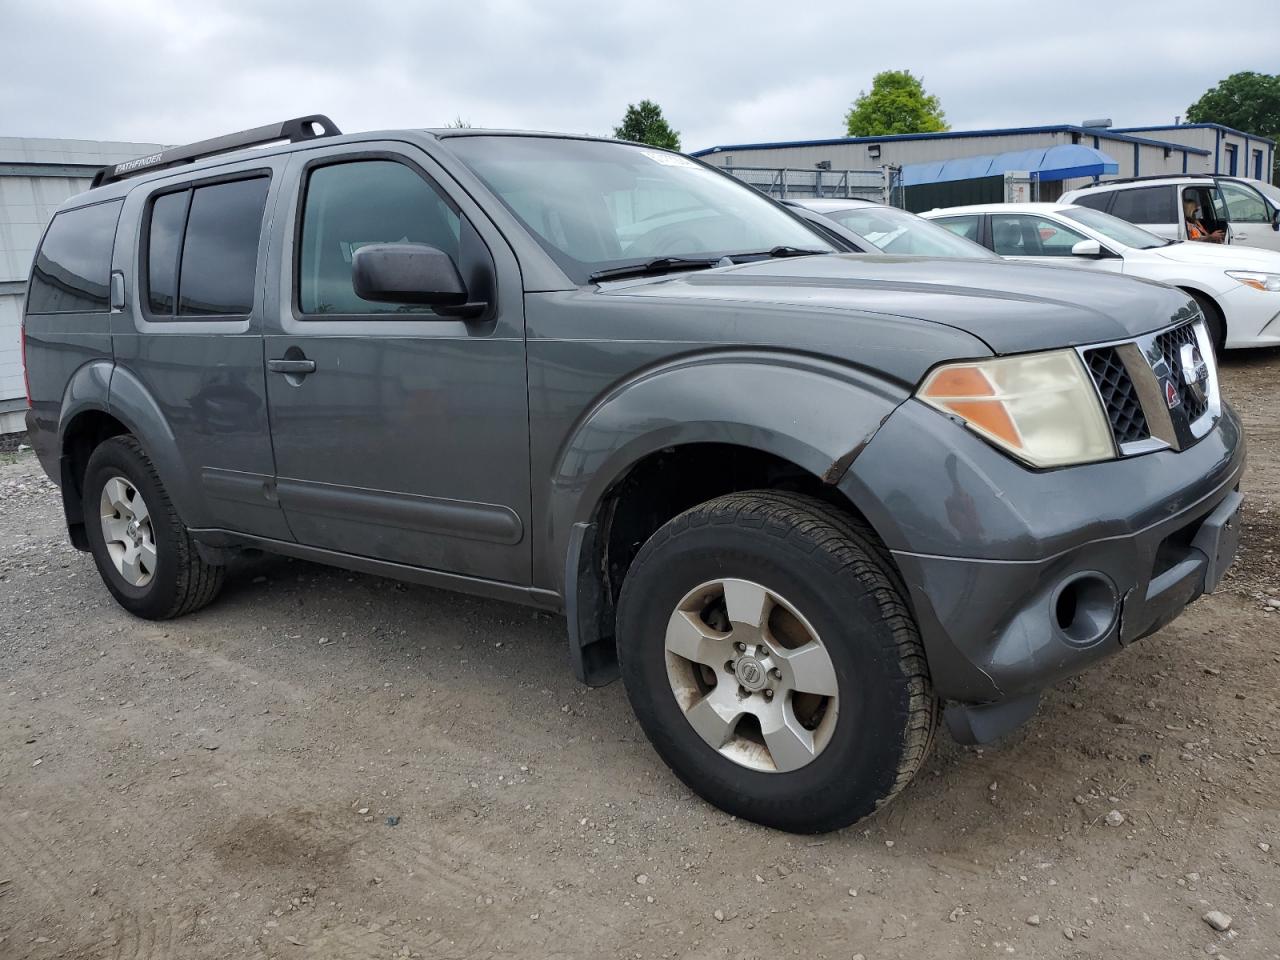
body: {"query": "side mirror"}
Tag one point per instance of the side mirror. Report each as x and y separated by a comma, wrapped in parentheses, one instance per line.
(1087, 248)
(411, 273)
(1275, 219)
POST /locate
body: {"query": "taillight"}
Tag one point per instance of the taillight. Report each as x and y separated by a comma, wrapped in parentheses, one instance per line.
(26, 374)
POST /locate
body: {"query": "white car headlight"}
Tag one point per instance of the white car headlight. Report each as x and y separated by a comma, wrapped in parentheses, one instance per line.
(1042, 407)
(1259, 281)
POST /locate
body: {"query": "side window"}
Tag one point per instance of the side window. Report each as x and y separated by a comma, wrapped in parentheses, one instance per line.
(350, 204)
(1016, 235)
(72, 269)
(1095, 200)
(968, 227)
(202, 249)
(1146, 205)
(1244, 205)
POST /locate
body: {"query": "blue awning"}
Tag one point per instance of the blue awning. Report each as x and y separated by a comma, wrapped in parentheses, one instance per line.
(1062, 162)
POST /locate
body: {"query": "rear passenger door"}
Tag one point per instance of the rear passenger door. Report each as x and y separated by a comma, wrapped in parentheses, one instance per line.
(405, 437)
(191, 338)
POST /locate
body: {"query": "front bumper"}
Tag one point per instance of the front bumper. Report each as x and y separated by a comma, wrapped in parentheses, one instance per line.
(1020, 578)
(1252, 317)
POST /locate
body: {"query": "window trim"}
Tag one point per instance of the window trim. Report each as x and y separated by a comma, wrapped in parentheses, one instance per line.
(26, 300)
(300, 208)
(144, 247)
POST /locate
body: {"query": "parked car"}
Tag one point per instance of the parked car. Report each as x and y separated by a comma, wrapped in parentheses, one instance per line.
(889, 229)
(1230, 204)
(797, 500)
(1236, 288)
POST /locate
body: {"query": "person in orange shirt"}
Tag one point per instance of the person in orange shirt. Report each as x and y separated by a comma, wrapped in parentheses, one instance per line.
(1196, 230)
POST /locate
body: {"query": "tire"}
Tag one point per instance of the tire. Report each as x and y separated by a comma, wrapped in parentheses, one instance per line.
(165, 576)
(1213, 320)
(827, 579)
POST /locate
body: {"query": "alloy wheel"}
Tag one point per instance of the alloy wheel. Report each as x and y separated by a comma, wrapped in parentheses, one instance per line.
(751, 675)
(127, 531)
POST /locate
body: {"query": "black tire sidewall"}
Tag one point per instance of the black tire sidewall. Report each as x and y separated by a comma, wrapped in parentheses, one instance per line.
(859, 766)
(117, 457)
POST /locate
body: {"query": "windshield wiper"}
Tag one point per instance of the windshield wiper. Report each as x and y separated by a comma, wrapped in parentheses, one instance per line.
(782, 251)
(658, 265)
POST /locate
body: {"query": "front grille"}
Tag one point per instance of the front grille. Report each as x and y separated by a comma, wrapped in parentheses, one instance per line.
(1148, 403)
(1170, 344)
(1119, 395)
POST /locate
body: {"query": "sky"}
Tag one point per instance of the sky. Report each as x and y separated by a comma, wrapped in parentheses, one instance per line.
(724, 73)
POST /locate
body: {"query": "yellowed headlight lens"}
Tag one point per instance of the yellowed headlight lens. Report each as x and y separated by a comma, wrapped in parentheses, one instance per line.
(1040, 407)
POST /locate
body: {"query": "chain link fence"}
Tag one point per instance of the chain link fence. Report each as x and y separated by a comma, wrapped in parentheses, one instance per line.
(880, 186)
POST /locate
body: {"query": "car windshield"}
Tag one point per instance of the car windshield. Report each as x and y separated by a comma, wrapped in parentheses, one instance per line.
(896, 231)
(596, 205)
(1113, 228)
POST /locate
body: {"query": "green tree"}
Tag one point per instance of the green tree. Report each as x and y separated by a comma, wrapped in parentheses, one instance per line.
(644, 123)
(897, 103)
(1247, 101)
(458, 124)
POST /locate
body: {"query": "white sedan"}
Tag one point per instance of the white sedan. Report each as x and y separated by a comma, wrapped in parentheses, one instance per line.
(1237, 287)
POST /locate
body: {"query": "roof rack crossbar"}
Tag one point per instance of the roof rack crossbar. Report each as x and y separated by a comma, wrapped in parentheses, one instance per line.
(298, 129)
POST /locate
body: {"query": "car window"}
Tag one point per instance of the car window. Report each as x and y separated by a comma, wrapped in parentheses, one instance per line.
(595, 205)
(968, 227)
(1020, 235)
(1244, 204)
(164, 241)
(354, 203)
(72, 270)
(900, 232)
(1095, 200)
(1146, 205)
(201, 248)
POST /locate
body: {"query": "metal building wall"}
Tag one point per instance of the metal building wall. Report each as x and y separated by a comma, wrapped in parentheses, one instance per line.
(36, 176)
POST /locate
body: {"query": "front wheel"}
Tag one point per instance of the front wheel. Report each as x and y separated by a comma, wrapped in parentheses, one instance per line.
(770, 656)
(142, 549)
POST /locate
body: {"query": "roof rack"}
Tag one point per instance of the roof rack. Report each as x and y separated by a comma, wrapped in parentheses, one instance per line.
(1150, 176)
(298, 129)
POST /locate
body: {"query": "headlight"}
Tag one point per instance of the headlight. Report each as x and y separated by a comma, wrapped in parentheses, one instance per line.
(1042, 408)
(1259, 281)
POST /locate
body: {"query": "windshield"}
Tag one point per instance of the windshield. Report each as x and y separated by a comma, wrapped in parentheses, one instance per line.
(896, 231)
(595, 205)
(1113, 228)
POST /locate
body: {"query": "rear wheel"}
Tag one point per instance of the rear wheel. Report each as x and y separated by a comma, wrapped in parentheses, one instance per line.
(770, 656)
(142, 550)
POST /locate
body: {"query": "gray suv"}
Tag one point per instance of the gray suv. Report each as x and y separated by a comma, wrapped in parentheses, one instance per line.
(802, 501)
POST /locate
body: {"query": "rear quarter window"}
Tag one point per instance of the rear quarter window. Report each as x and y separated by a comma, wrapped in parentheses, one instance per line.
(1097, 200)
(72, 269)
(1146, 205)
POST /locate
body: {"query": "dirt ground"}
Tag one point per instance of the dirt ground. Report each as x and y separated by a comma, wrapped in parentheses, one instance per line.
(327, 765)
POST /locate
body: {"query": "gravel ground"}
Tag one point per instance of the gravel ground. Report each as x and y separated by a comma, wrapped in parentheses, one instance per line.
(327, 765)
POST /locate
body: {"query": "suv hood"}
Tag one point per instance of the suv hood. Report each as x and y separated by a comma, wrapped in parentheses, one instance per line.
(1233, 256)
(1012, 307)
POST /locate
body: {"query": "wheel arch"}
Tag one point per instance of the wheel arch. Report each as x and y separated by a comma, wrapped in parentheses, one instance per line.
(798, 426)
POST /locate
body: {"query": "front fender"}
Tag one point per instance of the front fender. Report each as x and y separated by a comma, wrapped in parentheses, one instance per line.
(810, 412)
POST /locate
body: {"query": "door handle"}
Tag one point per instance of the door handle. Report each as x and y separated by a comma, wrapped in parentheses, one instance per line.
(296, 367)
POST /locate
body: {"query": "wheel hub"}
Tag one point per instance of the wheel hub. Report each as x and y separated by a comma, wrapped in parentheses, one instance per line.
(751, 672)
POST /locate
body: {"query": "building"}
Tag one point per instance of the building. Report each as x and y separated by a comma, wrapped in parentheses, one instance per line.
(944, 169)
(35, 177)
(1235, 153)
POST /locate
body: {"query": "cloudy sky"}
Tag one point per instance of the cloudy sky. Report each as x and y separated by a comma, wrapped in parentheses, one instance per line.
(734, 72)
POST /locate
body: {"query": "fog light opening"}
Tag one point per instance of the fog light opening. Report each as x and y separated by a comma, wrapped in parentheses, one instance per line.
(1085, 608)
